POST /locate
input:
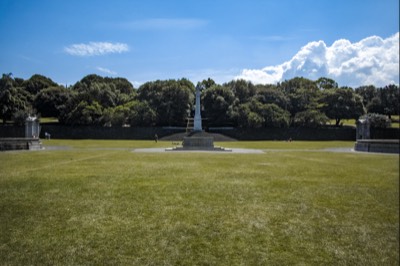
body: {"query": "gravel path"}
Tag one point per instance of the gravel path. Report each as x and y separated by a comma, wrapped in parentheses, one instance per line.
(243, 151)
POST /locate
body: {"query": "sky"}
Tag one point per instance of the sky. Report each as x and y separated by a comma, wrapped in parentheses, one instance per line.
(354, 42)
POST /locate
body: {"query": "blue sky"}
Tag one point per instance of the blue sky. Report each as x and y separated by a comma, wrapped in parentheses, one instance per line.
(263, 41)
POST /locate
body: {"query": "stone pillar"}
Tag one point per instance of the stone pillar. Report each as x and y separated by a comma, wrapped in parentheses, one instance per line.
(363, 129)
(32, 127)
(197, 114)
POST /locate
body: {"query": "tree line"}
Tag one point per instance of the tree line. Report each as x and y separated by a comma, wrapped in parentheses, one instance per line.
(105, 101)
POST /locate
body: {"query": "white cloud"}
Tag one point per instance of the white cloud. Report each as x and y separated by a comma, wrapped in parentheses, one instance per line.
(106, 70)
(372, 60)
(96, 48)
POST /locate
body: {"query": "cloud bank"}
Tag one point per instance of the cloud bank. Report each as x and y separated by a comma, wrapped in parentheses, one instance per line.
(96, 48)
(371, 61)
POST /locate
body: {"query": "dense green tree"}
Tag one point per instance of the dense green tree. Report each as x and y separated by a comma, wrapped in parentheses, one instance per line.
(326, 83)
(256, 114)
(7, 82)
(271, 94)
(123, 85)
(48, 102)
(117, 116)
(172, 100)
(208, 83)
(108, 92)
(13, 99)
(37, 83)
(303, 94)
(90, 102)
(380, 100)
(390, 100)
(246, 118)
(109, 101)
(293, 85)
(217, 101)
(134, 113)
(367, 93)
(84, 113)
(342, 103)
(105, 94)
(20, 116)
(18, 82)
(274, 116)
(120, 84)
(310, 118)
(141, 114)
(375, 106)
(242, 89)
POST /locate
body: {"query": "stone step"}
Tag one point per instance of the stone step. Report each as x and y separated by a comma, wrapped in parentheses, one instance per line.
(35, 145)
(180, 136)
(212, 149)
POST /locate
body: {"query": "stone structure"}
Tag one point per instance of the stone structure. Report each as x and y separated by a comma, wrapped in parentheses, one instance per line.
(364, 142)
(198, 139)
(197, 113)
(8, 144)
(31, 140)
(202, 141)
(363, 130)
(378, 145)
(32, 127)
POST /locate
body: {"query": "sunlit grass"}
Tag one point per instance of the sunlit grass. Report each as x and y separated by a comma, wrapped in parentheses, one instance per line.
(101, 203)
(135, 144)
(396, 121)
(48, 120)
(344, 122)
(105, 144)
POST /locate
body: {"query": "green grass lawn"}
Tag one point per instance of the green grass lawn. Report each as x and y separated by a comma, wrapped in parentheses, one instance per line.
(48, 120)
(352, 122)
(344, 122)
(99, 203)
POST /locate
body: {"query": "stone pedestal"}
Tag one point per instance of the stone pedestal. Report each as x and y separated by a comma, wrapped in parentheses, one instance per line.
(32, 127)
(7, 144)
(198, 139)
(363, 129)
(197, 114)
(198, 143)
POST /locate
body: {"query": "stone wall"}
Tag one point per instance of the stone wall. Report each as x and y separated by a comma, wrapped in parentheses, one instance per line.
(148, 133)
(7, 144)
(298, 133)
(377, 145)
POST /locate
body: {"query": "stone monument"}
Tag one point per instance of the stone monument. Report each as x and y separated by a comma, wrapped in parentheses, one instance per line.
(363, 129)
(31, 140)
(32, 127)
(365, 143)
(197, 113)
(198, 139)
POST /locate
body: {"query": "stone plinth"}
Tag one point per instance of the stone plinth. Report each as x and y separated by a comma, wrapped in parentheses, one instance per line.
(32, 127)
(378, 145)
(7, 144)
(198, 143)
